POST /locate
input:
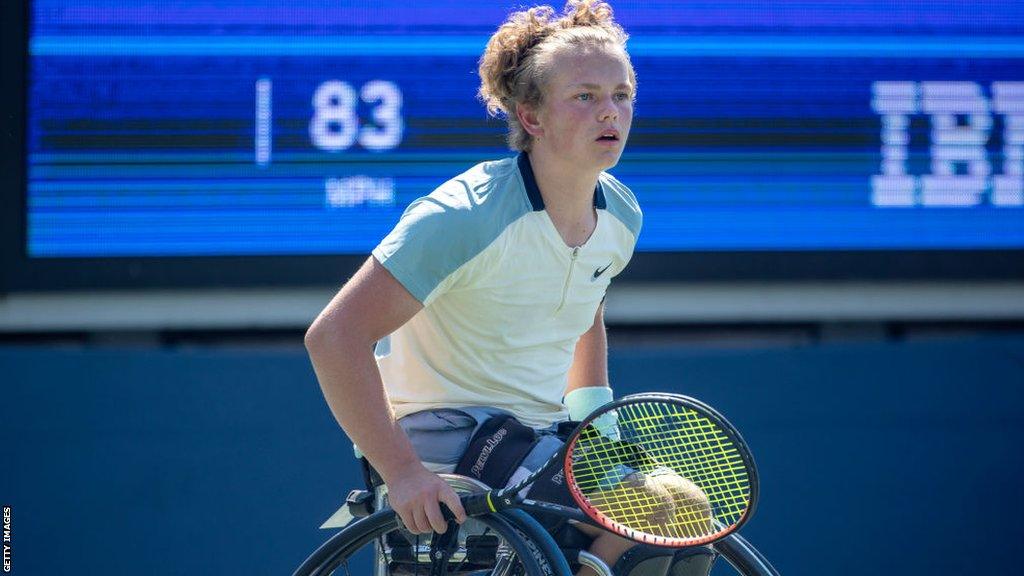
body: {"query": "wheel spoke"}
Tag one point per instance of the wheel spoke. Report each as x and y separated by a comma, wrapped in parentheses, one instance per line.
(416, 557)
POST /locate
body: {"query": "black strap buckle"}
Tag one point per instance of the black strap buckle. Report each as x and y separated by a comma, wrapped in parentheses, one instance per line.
(360, 503)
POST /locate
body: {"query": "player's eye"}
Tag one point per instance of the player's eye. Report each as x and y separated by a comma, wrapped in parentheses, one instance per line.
(586, 96)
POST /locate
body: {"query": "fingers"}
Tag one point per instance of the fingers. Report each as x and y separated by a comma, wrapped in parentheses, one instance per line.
(422, 525)
(423, 515)
(435, 518)
(406, 516)
(451, 499)
(417, 498)
(413, 517)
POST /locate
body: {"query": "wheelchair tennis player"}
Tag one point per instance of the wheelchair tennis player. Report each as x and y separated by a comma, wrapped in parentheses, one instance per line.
(475, 331)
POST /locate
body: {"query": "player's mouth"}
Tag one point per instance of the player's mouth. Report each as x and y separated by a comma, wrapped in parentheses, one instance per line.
(609, 137)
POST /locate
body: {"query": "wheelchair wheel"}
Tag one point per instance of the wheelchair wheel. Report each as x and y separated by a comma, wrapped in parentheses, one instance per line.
(498, 549)
(743, 557)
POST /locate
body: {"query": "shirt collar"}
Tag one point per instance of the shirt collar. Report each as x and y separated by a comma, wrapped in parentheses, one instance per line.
(533, 192)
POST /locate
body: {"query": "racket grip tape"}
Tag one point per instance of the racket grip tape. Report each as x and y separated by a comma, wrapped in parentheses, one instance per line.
(479, 504)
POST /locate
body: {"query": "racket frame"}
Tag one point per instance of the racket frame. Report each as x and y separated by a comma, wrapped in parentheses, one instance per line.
(497, 499)
(600, 519)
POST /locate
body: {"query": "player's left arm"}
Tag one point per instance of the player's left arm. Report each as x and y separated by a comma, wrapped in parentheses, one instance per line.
(590, 360)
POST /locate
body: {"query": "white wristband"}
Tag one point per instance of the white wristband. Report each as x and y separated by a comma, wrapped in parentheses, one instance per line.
(582, 402)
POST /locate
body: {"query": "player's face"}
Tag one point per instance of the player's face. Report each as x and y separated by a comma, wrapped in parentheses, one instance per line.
(589, 93)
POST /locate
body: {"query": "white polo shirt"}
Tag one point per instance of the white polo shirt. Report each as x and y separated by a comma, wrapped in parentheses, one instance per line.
(505, 299)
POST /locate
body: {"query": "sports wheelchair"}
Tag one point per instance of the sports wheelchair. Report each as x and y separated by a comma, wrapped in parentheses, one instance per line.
(506, 543)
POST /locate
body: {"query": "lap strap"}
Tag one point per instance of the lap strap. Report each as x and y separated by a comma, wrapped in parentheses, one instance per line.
(496, 450)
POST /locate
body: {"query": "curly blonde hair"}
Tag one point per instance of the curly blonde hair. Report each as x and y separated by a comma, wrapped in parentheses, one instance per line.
(516, 64)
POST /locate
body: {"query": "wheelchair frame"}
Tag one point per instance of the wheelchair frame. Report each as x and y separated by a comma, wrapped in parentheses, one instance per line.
(374, 520)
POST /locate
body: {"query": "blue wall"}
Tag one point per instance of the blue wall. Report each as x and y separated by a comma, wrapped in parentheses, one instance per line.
(900, 458)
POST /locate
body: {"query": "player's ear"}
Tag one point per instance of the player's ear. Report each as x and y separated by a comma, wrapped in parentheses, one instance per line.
(529, 118)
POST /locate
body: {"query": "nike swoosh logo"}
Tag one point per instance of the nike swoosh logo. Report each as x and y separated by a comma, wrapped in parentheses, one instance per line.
(600, 271)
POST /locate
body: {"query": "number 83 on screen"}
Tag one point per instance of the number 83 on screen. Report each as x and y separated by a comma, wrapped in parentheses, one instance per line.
(335, 125)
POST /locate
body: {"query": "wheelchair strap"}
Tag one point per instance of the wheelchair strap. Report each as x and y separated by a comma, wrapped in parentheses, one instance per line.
(496, 450)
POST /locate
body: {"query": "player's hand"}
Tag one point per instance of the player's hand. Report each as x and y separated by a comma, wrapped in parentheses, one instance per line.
(416, 497)
(690, 507)
(667, 499)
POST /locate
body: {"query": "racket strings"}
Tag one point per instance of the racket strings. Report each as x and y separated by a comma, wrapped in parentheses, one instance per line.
(674, 474)
(716, 464)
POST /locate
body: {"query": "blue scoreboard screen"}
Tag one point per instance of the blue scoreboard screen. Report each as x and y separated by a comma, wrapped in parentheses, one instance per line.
(254, 127)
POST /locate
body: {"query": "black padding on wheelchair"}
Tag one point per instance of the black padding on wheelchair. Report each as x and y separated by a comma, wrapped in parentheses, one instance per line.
(570, 540)
(641, 560)
(696, 561)
(496, 449)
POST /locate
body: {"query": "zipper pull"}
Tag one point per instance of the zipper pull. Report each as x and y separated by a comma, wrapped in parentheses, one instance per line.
(568, 278)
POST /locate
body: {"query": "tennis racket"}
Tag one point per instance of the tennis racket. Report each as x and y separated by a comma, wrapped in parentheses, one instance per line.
(677, 474)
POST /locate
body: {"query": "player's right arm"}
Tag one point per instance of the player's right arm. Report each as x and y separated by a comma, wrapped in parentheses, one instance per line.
(371, 305)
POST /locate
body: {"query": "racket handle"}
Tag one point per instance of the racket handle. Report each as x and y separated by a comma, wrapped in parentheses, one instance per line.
(477, 504)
